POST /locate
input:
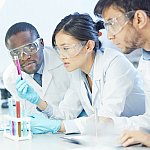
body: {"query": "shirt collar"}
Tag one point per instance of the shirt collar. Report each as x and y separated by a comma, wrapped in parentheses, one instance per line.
(146, 55)
(91, 72)
(40, 71)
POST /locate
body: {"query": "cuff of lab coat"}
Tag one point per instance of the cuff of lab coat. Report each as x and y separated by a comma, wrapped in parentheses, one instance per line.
(48, 111)
(120, 124)
(124, 123)
(70, 127)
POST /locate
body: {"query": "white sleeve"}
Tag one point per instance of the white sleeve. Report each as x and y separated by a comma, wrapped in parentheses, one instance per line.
(9, 79)
(141, 122)
(83, 125)
(119, 81)
(69, 108)
(144, 69)
(70, 127)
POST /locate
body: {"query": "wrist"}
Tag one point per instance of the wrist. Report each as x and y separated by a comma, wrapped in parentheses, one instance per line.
(42, 105)
(62, 127)
(57, 126)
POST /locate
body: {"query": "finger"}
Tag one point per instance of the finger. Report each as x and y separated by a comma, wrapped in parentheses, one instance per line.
(126, 134)
(124, 139)
(18, 79)
(20, 83)
(24, 91)
(21, 88)
(129, 142)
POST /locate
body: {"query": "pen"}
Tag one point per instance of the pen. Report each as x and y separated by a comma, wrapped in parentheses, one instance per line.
(72, 140)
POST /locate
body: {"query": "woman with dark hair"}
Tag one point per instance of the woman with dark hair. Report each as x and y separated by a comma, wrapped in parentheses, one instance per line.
(104, 80)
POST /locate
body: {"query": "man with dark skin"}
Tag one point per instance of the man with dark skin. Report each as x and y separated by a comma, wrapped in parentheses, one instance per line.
(41, 68)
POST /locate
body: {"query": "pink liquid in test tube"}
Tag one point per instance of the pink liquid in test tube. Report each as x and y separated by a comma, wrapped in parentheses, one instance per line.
(18, 69)
(18, 65)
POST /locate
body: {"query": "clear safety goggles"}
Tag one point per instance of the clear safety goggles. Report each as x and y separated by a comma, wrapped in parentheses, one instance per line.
(69, 51)
(115, 25)
(27, 49)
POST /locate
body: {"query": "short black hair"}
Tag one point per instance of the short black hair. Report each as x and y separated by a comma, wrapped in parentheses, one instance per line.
(123, 5)
(80, 26)
(21, 27)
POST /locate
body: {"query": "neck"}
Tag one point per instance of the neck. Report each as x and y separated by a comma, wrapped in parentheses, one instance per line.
(146, 37)
(88, 64)
(147, 45)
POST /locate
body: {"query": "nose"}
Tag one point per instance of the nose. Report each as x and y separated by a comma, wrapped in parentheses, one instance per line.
(61, 56)
(110, 36)
(26, 56)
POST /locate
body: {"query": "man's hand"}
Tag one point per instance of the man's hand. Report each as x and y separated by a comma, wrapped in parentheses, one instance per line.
(25, 91)
(134, 137)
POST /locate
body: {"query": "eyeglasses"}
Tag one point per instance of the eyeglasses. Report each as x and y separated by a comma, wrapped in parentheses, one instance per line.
(28, 49)
(115, 25)
(70, 50)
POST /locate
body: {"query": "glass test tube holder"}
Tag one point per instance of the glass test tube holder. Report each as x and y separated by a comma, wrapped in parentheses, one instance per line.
(16, 137)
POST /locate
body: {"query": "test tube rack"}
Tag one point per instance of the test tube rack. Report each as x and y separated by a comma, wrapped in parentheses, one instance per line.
(14, 135)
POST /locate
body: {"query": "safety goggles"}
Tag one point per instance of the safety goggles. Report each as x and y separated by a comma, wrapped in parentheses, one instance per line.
(27, 49)
(69, 51)
(115, 25)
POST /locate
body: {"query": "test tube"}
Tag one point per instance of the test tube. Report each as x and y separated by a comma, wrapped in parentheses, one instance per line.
(24, 125)
(18, 116)
(17, 65)
(11, 123)
(18, 102)
(96, 122)
(18, 69)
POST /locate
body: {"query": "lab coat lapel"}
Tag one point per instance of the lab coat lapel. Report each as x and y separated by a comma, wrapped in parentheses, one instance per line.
(51, 61)
(86, 101)
(97, 78)
(95, 89)
(46, 79)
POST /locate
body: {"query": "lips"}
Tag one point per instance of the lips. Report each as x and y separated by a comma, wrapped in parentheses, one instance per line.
(117, 44)
(28, 64)
(66, 64)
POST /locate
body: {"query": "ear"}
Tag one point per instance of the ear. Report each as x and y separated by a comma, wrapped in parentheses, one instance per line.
(42, 42)
(90, 46)
(140, 19)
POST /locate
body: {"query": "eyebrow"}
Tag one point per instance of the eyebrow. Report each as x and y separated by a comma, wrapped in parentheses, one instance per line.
(110, 19)
(64, 44)
(115, 16)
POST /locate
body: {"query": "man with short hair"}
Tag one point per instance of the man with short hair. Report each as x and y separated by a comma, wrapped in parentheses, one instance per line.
(128, 26)
(47, 81)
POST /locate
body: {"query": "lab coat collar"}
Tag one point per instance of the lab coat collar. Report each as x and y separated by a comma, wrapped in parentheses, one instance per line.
(97, 75)
(49, 59)
(98, 65)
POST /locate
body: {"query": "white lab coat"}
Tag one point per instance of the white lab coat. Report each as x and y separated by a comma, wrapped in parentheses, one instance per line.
(116, 90)
(55, 87)
(141, 122)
